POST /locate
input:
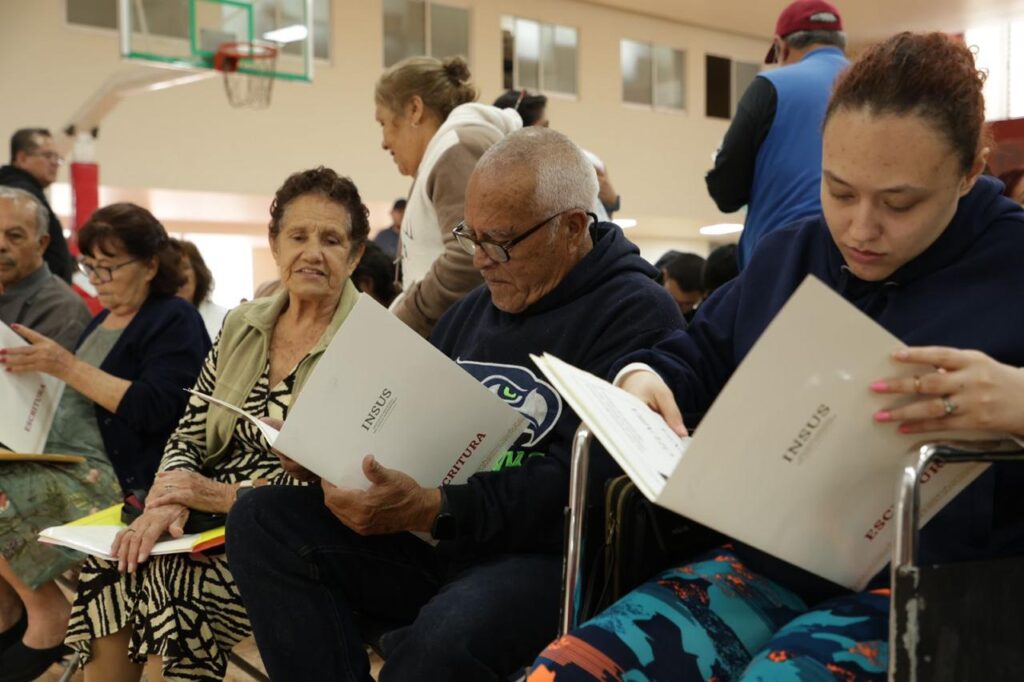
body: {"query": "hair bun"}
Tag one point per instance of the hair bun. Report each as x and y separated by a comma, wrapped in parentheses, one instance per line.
(457, 70)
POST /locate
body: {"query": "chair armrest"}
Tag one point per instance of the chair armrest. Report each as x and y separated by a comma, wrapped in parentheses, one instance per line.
(908, 496)
(578, 475)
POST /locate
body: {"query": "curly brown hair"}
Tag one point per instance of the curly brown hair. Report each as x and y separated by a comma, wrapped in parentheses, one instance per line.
(141, 235)
(929, 75)
(339, 189)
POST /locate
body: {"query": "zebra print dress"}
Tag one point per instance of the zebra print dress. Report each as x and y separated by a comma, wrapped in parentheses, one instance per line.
(181, 607)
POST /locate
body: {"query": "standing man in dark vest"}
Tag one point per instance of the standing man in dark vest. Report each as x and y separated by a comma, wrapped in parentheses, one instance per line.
(770, 159)
(34, 165)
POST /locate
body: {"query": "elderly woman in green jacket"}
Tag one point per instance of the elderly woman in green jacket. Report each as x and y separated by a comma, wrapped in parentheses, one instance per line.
(180, 615)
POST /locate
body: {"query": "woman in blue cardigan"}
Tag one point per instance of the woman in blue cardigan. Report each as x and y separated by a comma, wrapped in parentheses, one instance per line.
(123, 398)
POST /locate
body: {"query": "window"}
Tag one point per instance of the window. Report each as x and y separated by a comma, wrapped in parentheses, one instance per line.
(538, 56)
(411, 26)
(1000, 54)
(653, 75)
(170, 18)
(725, 81)
(743, 75)
(277, 14)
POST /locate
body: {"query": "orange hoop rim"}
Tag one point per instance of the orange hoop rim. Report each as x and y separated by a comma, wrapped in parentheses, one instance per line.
(229, 55)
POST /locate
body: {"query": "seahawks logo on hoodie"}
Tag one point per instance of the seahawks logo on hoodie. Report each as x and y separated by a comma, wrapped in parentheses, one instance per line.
(533, 398)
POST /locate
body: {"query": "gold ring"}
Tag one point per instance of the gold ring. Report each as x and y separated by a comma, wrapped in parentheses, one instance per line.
(917, 384)
(948, 405)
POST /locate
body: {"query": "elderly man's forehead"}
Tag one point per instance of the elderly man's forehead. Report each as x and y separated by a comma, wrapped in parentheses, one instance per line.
(512, 184)
(17, 209)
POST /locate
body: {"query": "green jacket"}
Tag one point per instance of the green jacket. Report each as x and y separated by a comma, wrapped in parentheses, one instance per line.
(242, 353)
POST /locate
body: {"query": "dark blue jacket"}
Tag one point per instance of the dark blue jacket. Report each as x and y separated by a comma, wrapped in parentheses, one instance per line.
(607, 306)
(161, 352)
(966, 290)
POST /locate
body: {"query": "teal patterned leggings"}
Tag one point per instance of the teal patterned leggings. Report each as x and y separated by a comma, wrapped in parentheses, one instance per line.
(714, 620)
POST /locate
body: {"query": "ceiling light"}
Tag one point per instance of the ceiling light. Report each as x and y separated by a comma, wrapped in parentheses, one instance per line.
(288, 34)
(721, 228)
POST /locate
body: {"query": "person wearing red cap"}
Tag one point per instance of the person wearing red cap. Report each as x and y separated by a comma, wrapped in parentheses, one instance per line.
(770, 159)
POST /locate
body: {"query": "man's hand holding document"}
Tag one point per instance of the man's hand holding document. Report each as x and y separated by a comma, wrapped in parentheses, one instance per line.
(787, 459)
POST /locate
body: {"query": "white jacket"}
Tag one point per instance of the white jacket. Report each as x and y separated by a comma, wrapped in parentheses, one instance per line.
(435, 271)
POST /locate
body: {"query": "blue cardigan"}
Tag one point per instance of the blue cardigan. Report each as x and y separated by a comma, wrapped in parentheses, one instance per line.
(161, 352)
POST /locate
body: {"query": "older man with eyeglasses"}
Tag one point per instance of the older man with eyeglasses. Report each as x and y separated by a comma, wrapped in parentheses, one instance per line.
(482, 602)
(34, 165)
(30, 294)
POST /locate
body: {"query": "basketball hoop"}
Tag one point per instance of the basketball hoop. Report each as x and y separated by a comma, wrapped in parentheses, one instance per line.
(248, 69)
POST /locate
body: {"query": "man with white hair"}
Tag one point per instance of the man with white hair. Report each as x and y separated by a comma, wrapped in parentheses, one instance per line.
(310, 561)
(31, 295)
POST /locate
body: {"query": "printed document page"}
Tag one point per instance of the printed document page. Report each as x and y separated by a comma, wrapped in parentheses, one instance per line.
(381, 389)
(789, 460)
(94, 535)
(650, 449)
(29, 402)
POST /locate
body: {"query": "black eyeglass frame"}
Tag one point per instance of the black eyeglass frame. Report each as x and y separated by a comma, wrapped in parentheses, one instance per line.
(469, 243)
(87, 270)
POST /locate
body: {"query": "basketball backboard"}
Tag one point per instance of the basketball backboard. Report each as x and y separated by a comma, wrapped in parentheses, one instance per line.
(187, 33)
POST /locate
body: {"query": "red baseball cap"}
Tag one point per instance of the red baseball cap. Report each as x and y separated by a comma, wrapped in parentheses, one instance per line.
(805, 15)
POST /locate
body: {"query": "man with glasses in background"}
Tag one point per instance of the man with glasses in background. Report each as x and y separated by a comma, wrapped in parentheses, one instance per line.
(478, 605)
(30, 294)
(34, 165)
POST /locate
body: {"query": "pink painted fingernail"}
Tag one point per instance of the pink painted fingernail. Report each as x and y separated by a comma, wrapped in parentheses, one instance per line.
(904, 428)
(882, 416)
(880, 386)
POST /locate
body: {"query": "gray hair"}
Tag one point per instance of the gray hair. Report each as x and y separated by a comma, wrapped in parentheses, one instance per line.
(42, 215)
(564, 177)
(798, 40)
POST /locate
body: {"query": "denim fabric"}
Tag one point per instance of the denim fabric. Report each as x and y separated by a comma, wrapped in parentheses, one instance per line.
(306, 580)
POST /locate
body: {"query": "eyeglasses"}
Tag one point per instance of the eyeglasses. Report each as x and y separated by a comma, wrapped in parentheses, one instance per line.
(52, 157)
(495, 251)
(103, 273)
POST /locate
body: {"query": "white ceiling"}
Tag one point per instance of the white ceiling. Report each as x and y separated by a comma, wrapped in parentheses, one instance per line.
(865, 20)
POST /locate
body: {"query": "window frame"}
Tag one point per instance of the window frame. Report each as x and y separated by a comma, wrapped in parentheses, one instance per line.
(654, 106)
(427, 29)
(551, 94)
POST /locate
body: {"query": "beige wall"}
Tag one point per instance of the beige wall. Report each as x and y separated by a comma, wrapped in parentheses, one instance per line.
(189, 138)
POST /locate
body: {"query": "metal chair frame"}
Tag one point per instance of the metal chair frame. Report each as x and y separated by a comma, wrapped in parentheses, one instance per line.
(908, 512)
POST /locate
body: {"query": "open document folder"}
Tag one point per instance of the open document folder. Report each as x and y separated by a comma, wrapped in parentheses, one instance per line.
(382, 389)
(94, 534)
(28, 402)
(788, 459)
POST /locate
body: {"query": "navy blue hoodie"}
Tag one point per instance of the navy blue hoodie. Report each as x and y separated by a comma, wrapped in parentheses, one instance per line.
(607, 306)
(966, 290)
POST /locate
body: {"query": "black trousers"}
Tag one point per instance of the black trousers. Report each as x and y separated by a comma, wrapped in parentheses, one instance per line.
(304, 577)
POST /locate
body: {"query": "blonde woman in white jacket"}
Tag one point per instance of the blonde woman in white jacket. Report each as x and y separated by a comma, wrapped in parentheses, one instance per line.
(435, 132)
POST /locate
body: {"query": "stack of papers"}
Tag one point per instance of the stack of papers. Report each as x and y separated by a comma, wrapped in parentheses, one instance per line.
(95, 534)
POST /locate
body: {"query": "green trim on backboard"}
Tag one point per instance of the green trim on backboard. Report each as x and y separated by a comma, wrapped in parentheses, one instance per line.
(203, 59)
